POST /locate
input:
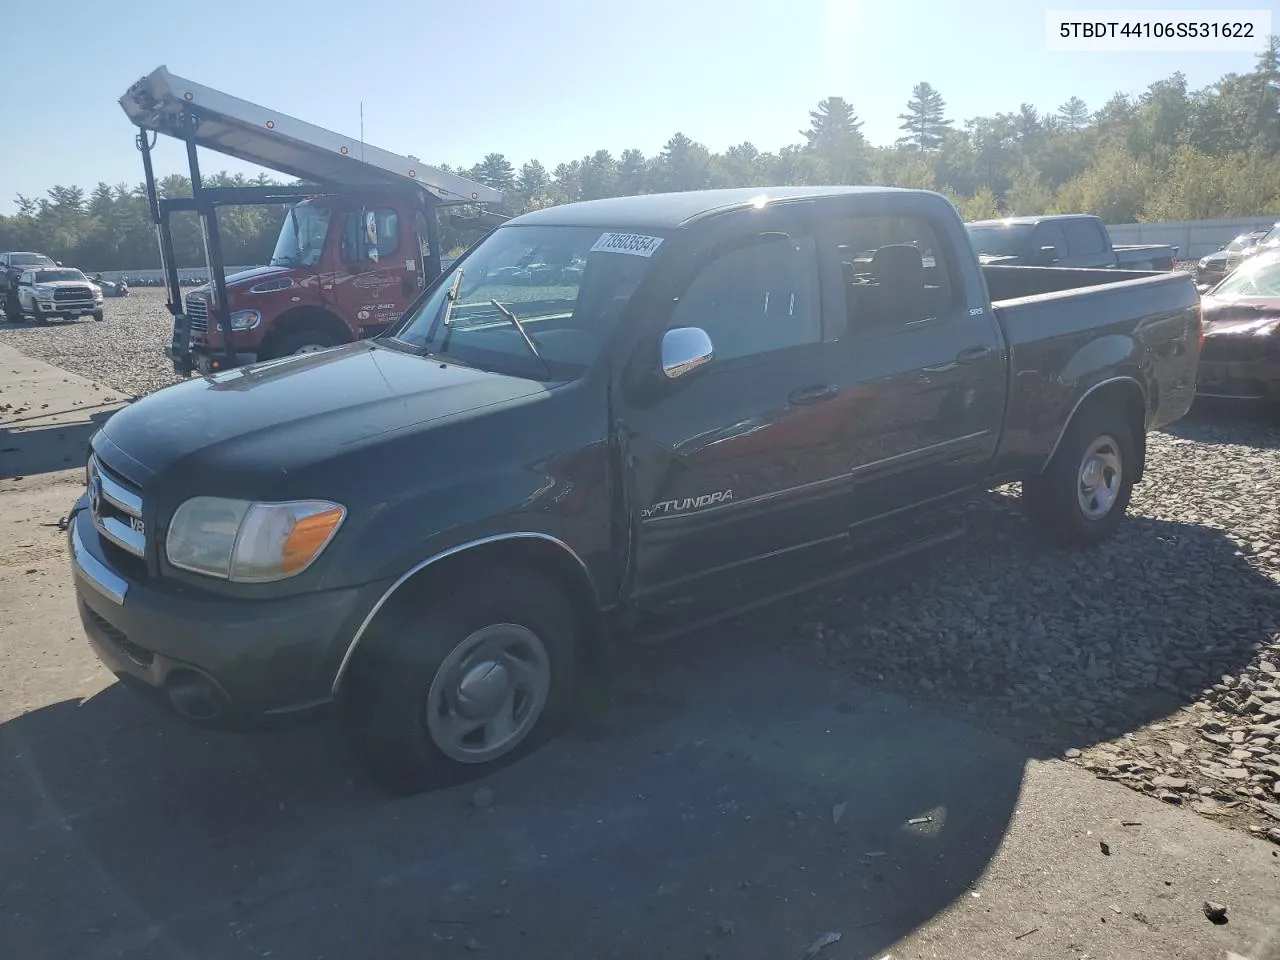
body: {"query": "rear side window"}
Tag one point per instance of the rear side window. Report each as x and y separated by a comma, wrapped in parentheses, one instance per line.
(1084, 237)
(757, 299)
(894, 271)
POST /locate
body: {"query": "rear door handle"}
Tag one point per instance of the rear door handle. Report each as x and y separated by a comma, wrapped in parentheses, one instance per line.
(967, 355)
(814, 394)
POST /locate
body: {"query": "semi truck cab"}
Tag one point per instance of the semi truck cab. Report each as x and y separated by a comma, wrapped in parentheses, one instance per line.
(342, 269)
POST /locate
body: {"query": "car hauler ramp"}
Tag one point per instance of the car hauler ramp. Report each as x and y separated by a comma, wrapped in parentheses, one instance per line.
(166, 103)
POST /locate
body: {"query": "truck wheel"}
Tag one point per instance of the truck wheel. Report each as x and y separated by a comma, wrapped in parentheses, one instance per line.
(97, 315)
(13, 307)
(1083, 493)
(478, 676)
(304, 341)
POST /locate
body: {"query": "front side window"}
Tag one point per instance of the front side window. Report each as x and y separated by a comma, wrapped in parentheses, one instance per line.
(761, 298)
(562, 287)
(302, 236)
(387, 225)
(894, 271)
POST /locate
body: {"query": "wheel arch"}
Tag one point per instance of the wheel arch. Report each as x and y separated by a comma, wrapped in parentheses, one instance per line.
(1124, 393)
(305, 318)
(530, 550)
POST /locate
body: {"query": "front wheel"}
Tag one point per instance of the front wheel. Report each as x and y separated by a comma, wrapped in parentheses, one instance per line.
(1083, 493)
(97, 315)
(304, 341)
(473, 676)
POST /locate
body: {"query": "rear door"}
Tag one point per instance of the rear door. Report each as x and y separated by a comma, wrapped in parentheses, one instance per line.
(381, 260)
(921, 358)
(739, 462)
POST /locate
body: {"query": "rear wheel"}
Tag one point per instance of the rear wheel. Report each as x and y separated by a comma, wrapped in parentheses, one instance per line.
(302, 341)
(1083, 493)
(474, 676)
(13, 307)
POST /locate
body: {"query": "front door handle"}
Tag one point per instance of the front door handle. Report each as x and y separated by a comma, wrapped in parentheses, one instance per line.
(814, 394)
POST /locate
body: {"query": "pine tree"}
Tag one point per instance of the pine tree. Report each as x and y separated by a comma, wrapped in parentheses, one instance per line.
(925, 121)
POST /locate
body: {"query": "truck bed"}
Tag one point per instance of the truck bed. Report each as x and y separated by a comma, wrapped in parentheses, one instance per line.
(1064, 325)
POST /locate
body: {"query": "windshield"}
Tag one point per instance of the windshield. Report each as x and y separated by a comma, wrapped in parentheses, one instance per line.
(1239, 243)
(1272, 235)
(301, 240)
(50, 276)
(563, 289)
(998, 240)
(1259, 277)
(29, 260)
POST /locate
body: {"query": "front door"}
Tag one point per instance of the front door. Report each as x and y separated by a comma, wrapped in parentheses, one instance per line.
(738, 461)
(381, 264)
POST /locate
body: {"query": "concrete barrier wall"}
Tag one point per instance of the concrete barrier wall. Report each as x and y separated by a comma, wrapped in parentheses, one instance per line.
(1193, 238)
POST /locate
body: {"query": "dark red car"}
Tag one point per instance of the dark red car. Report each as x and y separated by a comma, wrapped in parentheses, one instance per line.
(1241, 355)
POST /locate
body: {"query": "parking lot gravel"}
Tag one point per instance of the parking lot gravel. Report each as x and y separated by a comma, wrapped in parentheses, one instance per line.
(1153, 660)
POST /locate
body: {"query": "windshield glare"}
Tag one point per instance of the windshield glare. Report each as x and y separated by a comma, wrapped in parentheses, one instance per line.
(302, 235)
(1004, 240)
(1258, 277)
(50, 276)
(566, 297)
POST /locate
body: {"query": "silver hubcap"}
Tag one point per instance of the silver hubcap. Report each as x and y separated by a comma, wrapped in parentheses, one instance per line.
(1100, 473)
(309, 348)
(489, 693)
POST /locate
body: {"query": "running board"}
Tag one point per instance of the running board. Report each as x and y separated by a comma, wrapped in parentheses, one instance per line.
(641, 634)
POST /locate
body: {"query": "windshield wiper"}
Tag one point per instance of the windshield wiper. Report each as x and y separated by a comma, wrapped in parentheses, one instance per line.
(515, 322)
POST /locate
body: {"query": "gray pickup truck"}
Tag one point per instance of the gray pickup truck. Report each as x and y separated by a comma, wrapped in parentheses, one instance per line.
(12, 265)
(634, 415)
(1062, 240)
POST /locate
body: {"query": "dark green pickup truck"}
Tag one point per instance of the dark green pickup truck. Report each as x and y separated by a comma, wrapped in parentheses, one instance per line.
(627, 415)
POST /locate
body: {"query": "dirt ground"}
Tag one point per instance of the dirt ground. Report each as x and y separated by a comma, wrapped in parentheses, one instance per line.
(739, 795)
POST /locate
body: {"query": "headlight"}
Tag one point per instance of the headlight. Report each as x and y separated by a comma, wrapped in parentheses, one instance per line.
(245, 319)
(250, 542)
(43, 288)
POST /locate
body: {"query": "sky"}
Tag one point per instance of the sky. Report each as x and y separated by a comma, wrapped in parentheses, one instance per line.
(547, 79)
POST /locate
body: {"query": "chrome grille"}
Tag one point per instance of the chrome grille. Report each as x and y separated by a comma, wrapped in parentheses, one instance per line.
(116, 508)
(72, 293)
(198, 312)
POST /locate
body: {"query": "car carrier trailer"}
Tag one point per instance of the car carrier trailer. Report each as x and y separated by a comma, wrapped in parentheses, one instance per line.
(361, 240)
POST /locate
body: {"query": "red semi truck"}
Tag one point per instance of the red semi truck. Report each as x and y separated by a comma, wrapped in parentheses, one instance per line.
(360, 240)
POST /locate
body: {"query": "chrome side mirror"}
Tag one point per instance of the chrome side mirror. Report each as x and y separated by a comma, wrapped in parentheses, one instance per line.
(685, 349)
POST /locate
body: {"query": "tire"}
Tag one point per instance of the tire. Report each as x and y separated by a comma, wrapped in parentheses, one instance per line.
(1058, 501)
(405, 703)
(97, 315)
(302, 341)
(13, 307)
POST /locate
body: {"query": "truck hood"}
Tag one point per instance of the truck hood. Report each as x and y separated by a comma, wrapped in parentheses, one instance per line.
(294, 412)
(244, 277)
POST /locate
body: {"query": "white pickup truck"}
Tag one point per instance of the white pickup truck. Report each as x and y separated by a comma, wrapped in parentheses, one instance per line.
(57, 292)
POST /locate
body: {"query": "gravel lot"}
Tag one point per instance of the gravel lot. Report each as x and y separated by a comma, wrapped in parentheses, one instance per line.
(1154, 661)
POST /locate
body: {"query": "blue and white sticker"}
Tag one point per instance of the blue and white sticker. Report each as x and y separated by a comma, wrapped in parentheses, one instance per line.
(635, 244)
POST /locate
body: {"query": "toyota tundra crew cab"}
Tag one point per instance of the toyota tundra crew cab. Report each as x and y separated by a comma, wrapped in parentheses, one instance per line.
(620, 416)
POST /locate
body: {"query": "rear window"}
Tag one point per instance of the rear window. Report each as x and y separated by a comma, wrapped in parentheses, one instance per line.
(1084, 237)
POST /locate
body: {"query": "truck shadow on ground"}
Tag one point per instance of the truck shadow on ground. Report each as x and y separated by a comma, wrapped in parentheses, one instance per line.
(29, 445)
(742, 792)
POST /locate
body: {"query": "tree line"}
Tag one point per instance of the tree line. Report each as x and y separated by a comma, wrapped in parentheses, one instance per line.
(1166, 153)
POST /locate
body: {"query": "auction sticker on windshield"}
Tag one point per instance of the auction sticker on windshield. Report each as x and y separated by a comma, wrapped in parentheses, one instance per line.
(633, 243)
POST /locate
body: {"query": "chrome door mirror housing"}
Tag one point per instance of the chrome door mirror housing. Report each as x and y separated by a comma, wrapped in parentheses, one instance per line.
(685, 349)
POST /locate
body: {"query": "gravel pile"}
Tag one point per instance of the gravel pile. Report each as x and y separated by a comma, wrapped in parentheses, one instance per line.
(127, 351)
(1151, 661)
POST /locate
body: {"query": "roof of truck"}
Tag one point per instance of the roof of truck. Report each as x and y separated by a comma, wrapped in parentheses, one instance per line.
(278, 141)
(673, 210)
(1030, 221)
